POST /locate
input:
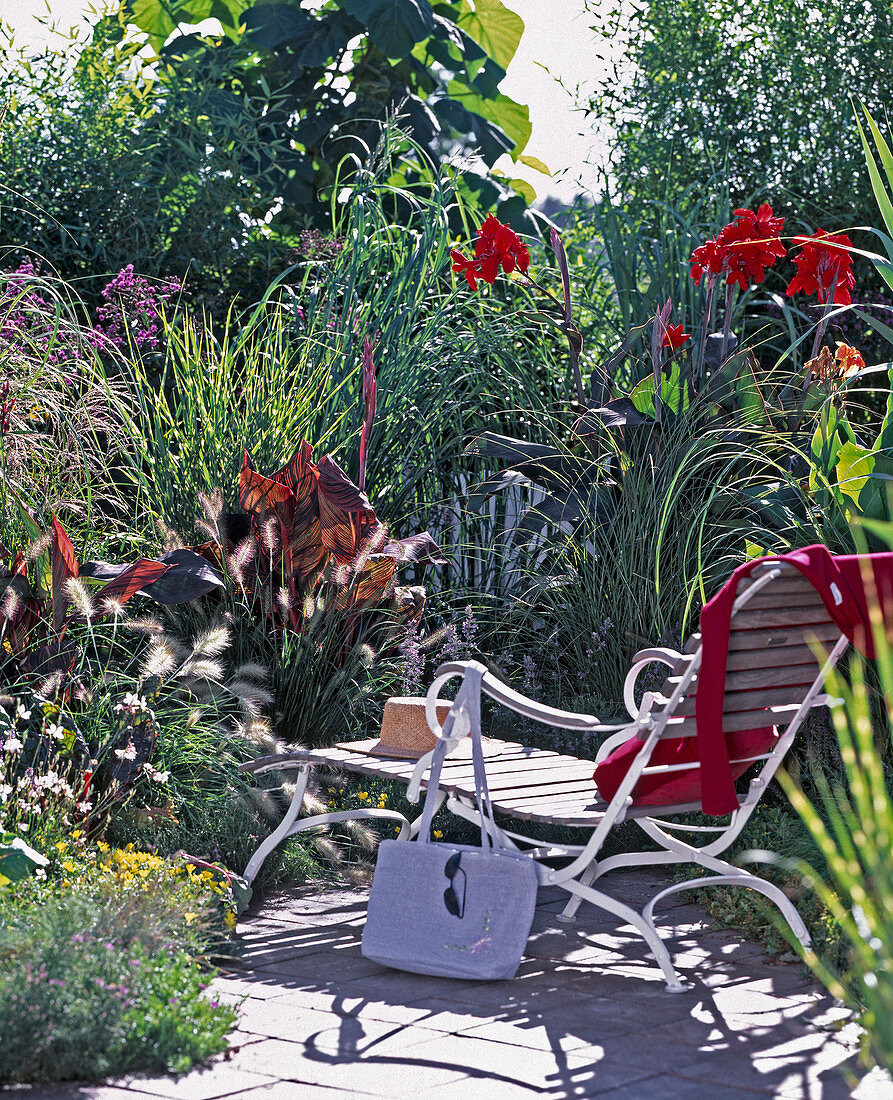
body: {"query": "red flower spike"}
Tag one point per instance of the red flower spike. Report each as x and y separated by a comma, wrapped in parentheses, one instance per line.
(674, 337)
(497, 246)
(369, 395)
(824, 267)
(742, 250)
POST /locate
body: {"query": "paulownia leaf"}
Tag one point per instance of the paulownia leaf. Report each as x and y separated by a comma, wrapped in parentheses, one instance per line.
(494, 26)
(65, 566)
(394, 25)
(272, 26)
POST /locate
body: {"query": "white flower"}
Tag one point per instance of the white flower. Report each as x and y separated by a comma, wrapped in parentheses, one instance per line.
(12, 744)
(5, 791)
(127, 754)
(84, 807)
(21, 713)
(56, 731)
(161, 777)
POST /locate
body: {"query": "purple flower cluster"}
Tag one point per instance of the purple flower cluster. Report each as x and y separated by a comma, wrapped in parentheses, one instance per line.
(30, 323)
(132, 309)
(312, 245)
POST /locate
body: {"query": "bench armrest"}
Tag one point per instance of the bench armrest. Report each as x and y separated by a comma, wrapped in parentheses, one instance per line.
(530, 708)
(642, 659)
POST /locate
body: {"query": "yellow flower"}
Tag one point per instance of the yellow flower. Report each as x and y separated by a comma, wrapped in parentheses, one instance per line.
(189, 917)
(437, 834)
(69, 866)
(363, 796)
(77, 834)
(230, 920)
(60, 845)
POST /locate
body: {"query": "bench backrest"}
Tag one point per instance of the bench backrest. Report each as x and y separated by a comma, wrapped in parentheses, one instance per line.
(772, 662)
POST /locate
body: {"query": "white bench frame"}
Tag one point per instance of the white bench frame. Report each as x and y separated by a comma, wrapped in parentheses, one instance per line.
(652, 719)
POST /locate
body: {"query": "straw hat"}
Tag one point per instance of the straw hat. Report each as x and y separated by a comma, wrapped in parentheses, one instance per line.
(404, 728)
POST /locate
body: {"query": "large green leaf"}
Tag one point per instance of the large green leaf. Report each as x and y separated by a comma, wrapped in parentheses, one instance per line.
(674, 392)
(492, 141)
(272, 26)
(864, 474)
(394, 25)
(493, 26)
(511, 117)
(159, 19)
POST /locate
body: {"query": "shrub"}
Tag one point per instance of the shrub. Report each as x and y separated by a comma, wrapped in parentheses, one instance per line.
(98, 171)
(712, 96)
(95, 981)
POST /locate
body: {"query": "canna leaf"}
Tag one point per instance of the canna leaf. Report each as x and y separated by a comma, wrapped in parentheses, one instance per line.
(258, 494)
(132, 579)
(65, 566)
(374, 579)
(416, 548)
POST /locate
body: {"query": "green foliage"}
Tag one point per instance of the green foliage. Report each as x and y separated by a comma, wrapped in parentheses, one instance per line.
(744, 94)
(60, 413)
(287, 92)
(851, 823)
(103, 167)
(446, 366)
(93, 983)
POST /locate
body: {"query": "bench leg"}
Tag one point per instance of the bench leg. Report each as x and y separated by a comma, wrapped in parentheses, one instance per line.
(753, 882)
(644, 927)
(568, 913)
(290, 826)
(281, 831)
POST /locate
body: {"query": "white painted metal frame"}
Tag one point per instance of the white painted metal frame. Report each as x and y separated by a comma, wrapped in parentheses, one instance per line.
(650, 722)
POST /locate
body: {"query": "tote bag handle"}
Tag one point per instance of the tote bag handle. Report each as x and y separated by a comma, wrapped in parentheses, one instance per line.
(464, 719)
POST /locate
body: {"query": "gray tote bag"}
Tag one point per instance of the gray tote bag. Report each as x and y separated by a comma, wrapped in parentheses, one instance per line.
(455, 910)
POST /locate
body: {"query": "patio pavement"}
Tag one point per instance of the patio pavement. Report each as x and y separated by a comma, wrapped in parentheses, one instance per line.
(587, 1015)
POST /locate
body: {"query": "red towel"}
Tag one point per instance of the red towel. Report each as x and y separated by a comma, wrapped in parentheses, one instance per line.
(849, 587)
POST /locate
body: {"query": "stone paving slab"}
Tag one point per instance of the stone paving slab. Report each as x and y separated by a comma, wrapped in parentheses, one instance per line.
(587, 1015)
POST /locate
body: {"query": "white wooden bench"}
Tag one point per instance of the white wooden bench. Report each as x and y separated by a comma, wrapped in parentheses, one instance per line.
(782, 643)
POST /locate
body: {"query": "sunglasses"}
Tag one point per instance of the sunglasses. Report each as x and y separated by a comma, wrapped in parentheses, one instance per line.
(454, 899)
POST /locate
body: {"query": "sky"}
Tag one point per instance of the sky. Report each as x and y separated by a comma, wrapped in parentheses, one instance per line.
(557, 42)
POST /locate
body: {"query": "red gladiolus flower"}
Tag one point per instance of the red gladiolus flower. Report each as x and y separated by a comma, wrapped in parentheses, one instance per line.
(674, 337)
(497, 245)
(742, 250)
(824, 267)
